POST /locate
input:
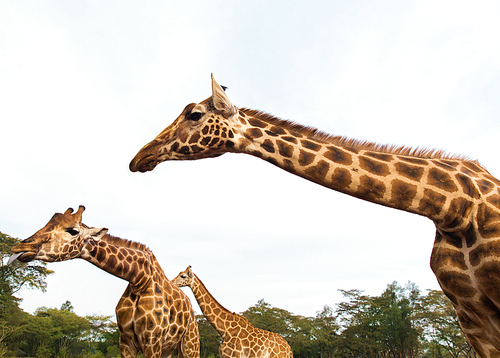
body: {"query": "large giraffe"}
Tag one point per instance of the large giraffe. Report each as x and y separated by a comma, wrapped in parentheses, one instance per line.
(458, 195)
(154, 316)
(240, 338)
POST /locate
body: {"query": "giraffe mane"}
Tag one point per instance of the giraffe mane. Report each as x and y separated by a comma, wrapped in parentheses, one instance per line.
(114, 240)
(354, 144)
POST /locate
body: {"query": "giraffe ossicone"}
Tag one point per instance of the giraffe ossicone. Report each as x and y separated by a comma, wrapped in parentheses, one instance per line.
(239, 337)
(153, 315)
(458, 195)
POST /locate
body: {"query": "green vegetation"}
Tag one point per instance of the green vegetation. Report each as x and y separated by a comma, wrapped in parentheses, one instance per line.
(401, 322)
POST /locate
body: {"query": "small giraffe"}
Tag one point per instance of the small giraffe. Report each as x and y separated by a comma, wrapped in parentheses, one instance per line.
(153, 315)
(240, 338)
(457, 194)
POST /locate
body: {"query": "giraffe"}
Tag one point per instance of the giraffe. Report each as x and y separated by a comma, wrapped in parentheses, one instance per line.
(153, 315)
(240, 338)
(457, 194)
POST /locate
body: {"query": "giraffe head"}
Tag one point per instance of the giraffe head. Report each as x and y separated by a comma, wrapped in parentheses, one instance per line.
(61, 239)
(203, 130)
(185, 278)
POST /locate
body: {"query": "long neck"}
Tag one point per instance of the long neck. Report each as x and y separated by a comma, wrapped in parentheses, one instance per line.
(133, 263)
(422, 182)
(218, 316)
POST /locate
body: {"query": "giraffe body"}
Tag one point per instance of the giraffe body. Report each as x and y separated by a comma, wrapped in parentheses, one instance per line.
(153, 315)
(457, 194)
(240, 338)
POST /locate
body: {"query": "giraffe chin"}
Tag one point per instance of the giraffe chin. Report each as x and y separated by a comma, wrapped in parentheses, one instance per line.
(143, 165)
(22, 256)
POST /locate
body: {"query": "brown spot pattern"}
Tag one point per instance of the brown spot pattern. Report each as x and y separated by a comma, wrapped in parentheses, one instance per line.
(371, 189)
(277, 130)
(485, 186)
(414, 160)
(341, 178)
(447, 257)
(467, 185)
(310, 145)
(338, 155)
(381, 156)
(459, 284)
(374, 166)
(432, 203)
(483, 251)
(286, 150)
(305, 158)
(268, 146)
(253, 133)
(290, 139)
(488, 221)
(402, 194)
(441, 180)
(318, 172)
(257, 123)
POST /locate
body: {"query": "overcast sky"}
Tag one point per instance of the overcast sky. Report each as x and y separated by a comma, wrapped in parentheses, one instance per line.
(85, 84)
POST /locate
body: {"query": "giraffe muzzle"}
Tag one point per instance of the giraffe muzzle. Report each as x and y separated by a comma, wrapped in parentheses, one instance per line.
(25, 251)
(22, 256)
(144, 164)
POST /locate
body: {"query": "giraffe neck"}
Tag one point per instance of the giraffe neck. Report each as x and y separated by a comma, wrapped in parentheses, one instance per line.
(217, 315)
(128, 260)
(427, 183)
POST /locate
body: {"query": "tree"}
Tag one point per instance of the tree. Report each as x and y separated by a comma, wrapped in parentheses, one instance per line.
(325, 332)
(445, 337)
(17, 275)
(269, 318)
(210, 340)
(383, 326)
(102, 333)
(297, 330)
(51, 332)
(12, 278)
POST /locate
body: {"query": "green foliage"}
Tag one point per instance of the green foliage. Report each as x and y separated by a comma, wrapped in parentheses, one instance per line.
(209, 338)
(443, 332)
(383, 326)
(272, 319)
(18, 274)
(401, 322)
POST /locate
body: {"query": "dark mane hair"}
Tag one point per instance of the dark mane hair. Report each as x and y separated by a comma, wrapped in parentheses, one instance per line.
(114, 240)
(354, 144)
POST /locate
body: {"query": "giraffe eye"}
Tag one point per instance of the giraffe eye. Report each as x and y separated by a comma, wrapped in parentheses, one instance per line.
(195, 116)
(72, 231)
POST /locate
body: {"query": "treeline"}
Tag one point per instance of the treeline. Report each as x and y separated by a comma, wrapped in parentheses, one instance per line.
(400, 323)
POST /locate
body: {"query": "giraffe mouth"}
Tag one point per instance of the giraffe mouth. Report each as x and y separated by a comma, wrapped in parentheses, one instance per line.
(22, 256)
(143, 165)
(25, 251)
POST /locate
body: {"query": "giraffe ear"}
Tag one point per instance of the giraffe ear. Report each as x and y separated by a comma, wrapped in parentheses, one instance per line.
(221, 102)
(97, 233)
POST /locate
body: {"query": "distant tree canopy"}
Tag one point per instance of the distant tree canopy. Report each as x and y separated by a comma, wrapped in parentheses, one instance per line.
(400, 323)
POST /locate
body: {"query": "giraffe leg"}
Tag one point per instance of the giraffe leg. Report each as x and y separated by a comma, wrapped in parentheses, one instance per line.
(127, 352)
(127, 348)
(189, 346)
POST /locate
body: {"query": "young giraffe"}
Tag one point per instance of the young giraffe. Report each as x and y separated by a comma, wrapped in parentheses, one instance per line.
(153, 315)
(240, 338)
(458, 195)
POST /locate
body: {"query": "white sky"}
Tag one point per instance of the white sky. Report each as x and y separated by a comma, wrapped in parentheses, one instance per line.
(84, 85)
